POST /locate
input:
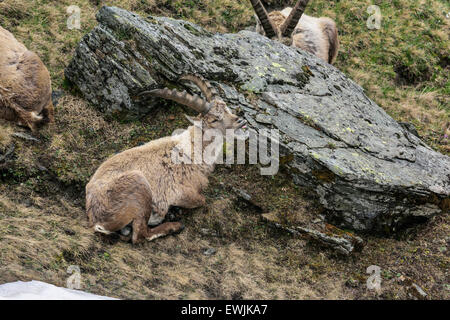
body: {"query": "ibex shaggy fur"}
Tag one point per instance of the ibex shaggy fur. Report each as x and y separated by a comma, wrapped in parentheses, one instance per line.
(139, 185)
(290, 26)
(25, 86)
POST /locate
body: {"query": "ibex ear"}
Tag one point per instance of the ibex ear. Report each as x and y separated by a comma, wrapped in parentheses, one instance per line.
(194, 121)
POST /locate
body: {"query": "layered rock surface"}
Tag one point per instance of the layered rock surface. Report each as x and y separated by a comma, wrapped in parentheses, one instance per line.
(370, 173)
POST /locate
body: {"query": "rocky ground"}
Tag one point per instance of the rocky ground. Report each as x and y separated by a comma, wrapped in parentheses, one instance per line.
(43, 228)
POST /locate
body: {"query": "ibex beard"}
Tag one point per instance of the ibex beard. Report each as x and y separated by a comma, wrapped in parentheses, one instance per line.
(138, 186)
(208, 147)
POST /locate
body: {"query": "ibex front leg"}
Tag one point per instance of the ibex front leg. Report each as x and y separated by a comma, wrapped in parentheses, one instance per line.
(191, 199)
(164, 230)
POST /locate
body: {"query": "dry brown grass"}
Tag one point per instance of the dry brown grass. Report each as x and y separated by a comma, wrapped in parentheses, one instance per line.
(42, 236)
(381, 61)
(404, 65)
(43, 226)
(6, 130)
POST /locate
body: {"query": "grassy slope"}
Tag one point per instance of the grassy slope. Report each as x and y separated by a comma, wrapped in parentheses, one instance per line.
(42, 220)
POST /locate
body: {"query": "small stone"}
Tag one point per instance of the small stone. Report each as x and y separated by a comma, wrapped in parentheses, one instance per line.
(56, 95)
(42, 168)
(245, 195)
(125, 231)
(208, 232)
(210, 252)
(417, 292)
(25, 136)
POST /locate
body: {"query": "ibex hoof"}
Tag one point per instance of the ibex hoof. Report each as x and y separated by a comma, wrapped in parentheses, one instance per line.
(126, 231)
(155, 236)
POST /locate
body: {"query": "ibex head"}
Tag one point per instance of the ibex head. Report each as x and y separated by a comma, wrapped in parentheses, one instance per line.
(213, 112)
(279, 28)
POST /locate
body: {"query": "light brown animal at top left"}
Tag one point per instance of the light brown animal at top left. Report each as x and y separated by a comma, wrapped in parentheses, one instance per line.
(25, 85)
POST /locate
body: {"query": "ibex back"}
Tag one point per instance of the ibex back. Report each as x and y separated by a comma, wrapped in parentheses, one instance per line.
(25, 85)
(139, 186)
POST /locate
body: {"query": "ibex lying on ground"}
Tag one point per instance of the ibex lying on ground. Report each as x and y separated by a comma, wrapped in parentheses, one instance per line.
(25, 86)
(290, 26)
(139, 185)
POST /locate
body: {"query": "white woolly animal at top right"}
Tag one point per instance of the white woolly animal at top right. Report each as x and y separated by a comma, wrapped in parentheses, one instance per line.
(318, 36)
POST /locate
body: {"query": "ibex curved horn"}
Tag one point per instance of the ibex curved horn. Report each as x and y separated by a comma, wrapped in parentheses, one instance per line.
(291, 22)
(264, 18)
(207, 89)
(184, 98)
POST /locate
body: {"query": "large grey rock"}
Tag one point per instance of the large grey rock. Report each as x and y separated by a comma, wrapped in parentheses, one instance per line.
(370, 173)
